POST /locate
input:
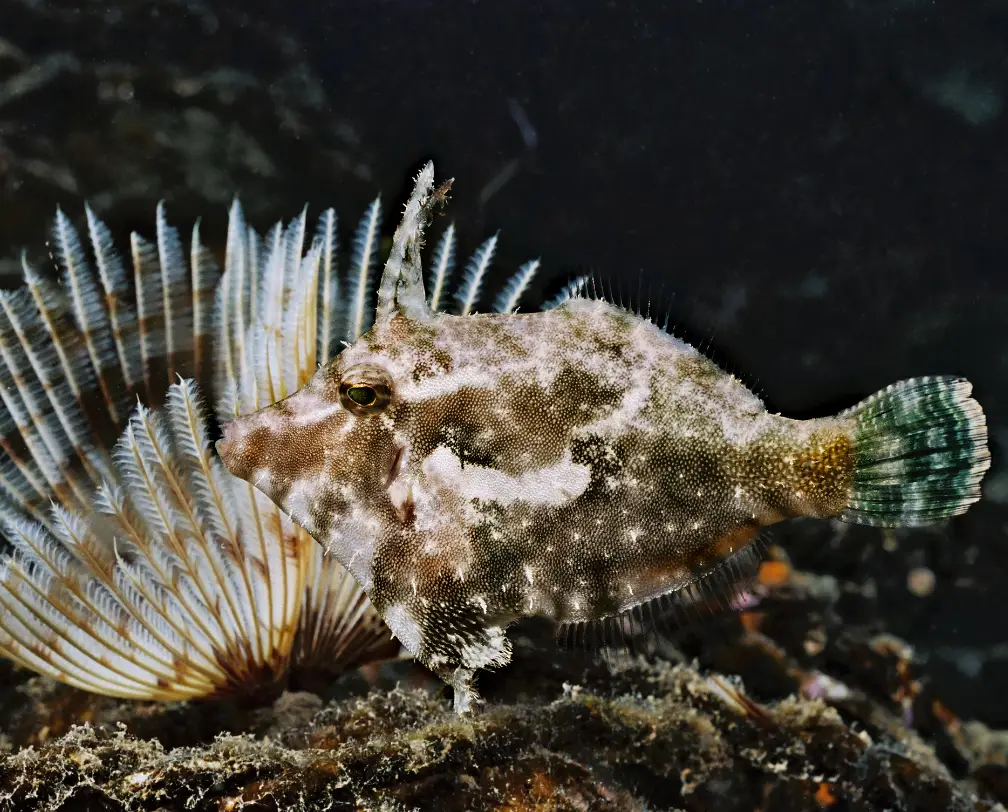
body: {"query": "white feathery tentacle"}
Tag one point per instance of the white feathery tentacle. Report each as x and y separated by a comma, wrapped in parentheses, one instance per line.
(268, 320)
(229, 328)
(150, 299)
(52, 308)
(363, 261)
(87, 308)
(328, 284)
(510, 295)
(204, 277)
(42, 460)
(122, 318)
(177, 301)
(472, 280)
(442, 265)
(40, 418)
(156, 574)
(18, 310)
(569, 291)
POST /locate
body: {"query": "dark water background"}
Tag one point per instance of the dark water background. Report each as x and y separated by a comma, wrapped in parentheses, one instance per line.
(821, 185)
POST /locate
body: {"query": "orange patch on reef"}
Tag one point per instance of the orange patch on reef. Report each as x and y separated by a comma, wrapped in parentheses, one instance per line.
(774, 573)
(825, 796)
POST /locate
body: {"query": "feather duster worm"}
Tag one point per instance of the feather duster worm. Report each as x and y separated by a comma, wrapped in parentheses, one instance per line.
(138, 567)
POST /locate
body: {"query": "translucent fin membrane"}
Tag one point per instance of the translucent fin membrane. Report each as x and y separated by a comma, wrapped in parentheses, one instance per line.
(717, 592)
(920, 449)
(137, 566)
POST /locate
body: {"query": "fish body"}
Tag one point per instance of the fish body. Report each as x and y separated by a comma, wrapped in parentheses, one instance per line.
(578, 464)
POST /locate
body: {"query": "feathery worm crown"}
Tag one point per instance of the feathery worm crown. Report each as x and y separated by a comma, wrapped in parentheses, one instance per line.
(139, 567)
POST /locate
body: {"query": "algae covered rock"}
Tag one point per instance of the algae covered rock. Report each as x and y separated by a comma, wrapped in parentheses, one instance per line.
(631, 737)
(801, 702)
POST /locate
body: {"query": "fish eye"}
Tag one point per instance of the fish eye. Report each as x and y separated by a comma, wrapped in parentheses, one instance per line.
(362, 395)
(365, 389)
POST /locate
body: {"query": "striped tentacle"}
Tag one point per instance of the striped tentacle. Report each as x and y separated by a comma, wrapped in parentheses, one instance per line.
(476, 269)
(155, 574)
(327, 240)
(442, 266)
(363, 264)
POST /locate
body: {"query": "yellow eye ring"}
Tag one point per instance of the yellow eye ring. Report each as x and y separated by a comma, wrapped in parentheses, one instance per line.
(365, 389)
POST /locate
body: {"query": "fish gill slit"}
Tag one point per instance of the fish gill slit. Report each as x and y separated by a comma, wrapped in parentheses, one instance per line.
(395, 467)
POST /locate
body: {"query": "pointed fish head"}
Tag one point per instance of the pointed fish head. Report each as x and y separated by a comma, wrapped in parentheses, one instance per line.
(354, 455)
(328, 454)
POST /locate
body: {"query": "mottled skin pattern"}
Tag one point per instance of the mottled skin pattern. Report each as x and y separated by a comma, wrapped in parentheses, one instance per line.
(568, 464)
(573, 464)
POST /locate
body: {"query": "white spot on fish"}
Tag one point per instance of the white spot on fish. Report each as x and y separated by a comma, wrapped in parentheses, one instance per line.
(553, 486)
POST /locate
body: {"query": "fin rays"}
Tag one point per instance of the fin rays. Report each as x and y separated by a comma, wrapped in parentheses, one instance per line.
(637, 628)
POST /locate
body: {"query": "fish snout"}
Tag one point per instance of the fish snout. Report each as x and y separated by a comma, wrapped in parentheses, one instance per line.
(268, 449)
(231, 432)
(232, 447)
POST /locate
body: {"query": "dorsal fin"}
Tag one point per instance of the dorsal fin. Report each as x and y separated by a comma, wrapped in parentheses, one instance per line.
(402, 288)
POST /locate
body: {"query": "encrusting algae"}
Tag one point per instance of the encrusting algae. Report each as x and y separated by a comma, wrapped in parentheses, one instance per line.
(578, 464)
(139, 567)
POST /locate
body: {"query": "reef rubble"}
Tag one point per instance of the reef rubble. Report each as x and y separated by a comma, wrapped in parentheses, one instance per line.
(557, 732)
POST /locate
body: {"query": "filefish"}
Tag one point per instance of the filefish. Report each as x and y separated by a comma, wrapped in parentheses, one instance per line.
(578, 464)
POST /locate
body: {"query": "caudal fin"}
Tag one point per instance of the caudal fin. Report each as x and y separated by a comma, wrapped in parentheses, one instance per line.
(920, 452)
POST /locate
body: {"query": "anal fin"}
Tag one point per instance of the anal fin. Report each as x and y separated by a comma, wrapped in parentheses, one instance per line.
(721, 590)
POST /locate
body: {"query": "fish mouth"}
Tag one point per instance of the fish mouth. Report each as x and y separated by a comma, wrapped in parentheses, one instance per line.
(228, 446)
